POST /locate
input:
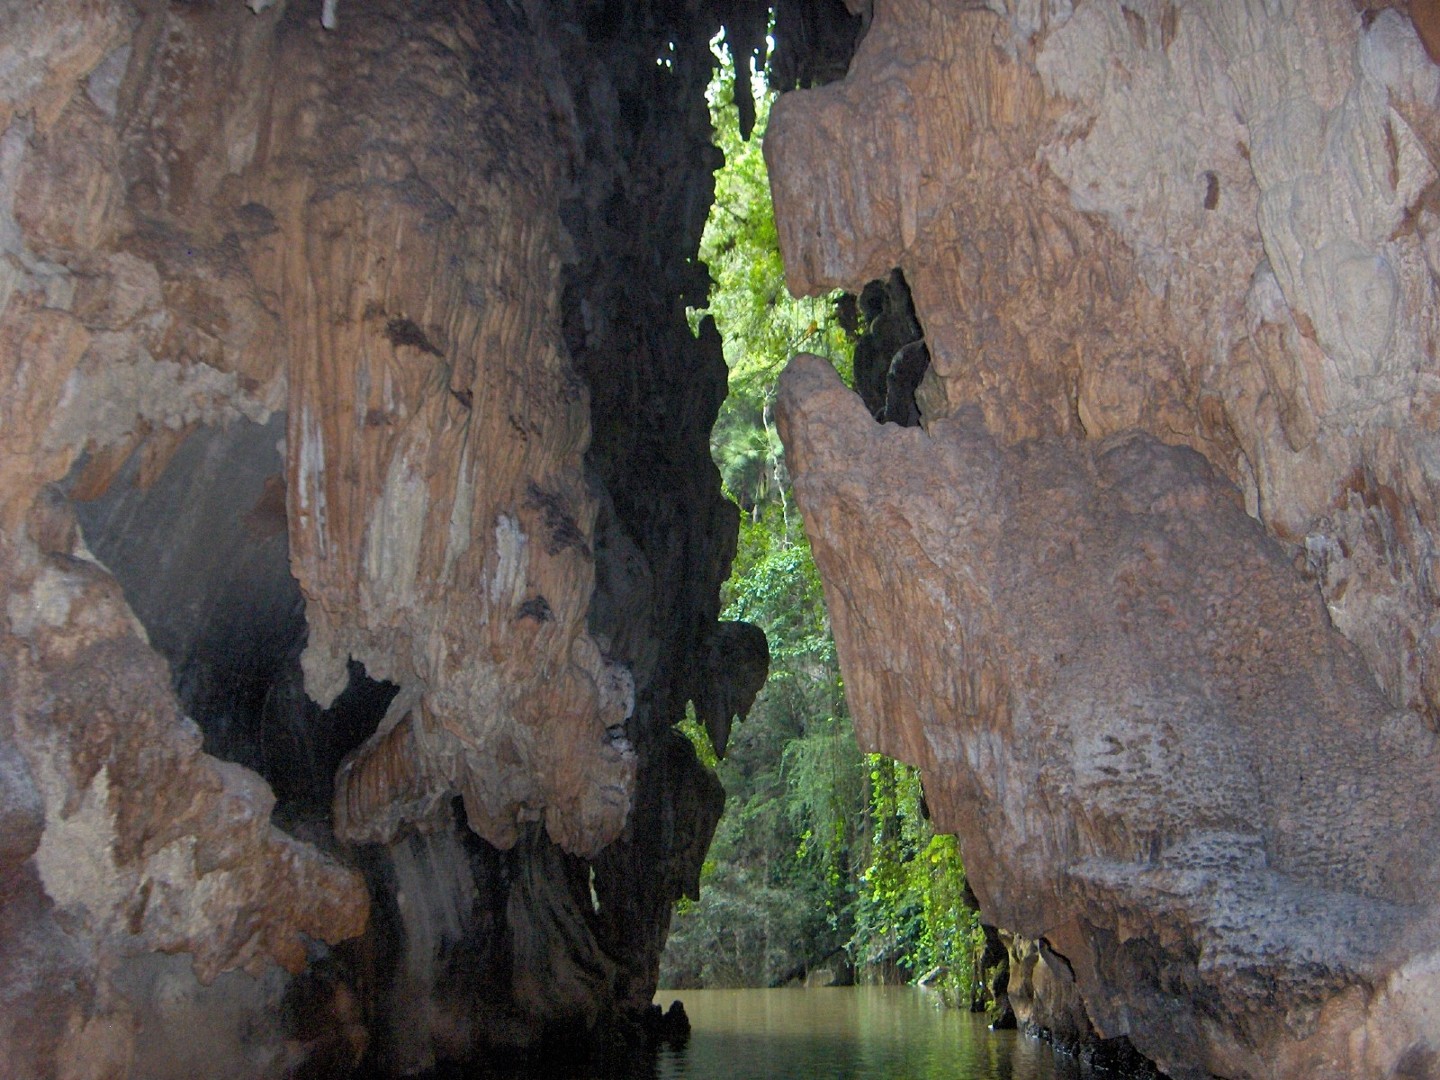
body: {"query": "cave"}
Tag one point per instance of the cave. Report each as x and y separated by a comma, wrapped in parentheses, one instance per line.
(362, 547)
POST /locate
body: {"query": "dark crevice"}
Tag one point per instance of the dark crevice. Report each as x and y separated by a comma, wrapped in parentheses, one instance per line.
(665, 535)
(815, 41)
(890, 352)
(202, 554)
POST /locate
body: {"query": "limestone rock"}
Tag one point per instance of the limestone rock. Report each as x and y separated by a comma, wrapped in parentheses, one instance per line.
(440, 525)
(737, 665)
(1210, 225)
(1210, 221)
(146, 844)
(1158, 754)
(888, 317)
(311, 313)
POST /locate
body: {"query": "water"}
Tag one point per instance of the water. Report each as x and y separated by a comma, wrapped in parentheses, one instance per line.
(850, 1033)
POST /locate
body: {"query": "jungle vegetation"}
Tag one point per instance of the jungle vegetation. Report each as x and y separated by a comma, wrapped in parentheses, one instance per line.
(825, 857)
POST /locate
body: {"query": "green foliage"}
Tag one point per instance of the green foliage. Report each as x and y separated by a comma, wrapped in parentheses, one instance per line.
(762, 325)
(699, 738)
(951, 941)
(774, 583)
(912, 910)
(822, 852)
(825, 784)
(742, 932)
(785, 858)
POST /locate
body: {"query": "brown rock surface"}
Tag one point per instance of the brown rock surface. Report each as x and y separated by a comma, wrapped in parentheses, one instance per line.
(144, 843)
(440, 525)
(222, 221)
(1210, 225)
(1157, 752)
(124, 839)
(1211, 221)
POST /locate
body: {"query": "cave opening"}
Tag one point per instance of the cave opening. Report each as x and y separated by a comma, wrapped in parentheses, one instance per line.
(824, 868)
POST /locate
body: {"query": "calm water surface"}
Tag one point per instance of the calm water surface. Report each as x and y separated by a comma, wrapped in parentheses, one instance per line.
(850, 1033)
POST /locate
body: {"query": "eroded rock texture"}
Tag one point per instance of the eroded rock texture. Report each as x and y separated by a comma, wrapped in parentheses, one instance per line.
(126, 841)
(1160, 253)
(1209, 221)
(305, 312)
(1158, 753)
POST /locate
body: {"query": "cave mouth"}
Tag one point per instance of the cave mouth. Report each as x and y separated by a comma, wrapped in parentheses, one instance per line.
(455, 239)
(200, 547)
(800, 884)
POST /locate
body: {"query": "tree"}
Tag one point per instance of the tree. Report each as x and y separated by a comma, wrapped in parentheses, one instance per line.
(761, 324)
(822, 853)
(912, 915)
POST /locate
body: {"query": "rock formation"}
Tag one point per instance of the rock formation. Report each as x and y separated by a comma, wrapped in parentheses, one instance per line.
(360, 545)
(356, 439)
(1156, 750)
(1151, 596)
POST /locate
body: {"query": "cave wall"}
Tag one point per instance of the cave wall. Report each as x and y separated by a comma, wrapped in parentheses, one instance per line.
(129, 847)
(356, 435)
(637, 205)
(1208, 221)
(1150, 595)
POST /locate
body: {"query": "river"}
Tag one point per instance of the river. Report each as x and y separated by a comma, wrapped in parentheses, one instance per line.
(852, 1033)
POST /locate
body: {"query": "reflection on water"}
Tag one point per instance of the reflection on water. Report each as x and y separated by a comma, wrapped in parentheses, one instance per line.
(851, 1033)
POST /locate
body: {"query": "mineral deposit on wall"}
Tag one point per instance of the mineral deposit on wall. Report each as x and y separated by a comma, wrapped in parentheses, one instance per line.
(1156, 750)
(1175, 265)
(304, 306)
(1210, 221)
